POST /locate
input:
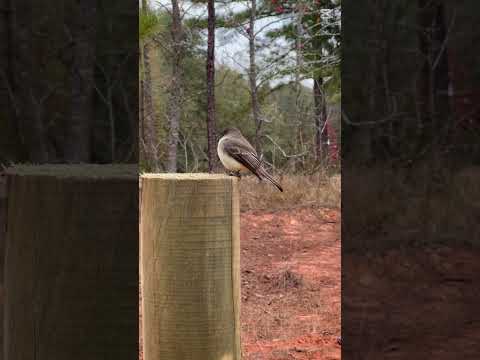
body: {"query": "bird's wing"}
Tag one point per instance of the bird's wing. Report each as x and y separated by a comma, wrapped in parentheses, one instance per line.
(245, 154)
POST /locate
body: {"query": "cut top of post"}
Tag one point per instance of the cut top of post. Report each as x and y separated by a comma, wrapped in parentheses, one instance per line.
(78, 171)
(186, 176)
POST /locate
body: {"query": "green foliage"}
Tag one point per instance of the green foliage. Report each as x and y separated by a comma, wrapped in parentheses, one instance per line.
(320, 39)
(288, 127)
(150, 22)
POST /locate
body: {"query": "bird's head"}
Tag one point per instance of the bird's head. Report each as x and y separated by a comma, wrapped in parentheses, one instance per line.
(231, 131)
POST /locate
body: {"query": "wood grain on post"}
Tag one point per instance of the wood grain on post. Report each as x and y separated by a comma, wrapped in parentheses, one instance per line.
(190, 254)
(71, 272)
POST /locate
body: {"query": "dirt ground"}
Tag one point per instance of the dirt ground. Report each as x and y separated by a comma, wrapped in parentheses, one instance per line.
(423, 302)
(290, 265)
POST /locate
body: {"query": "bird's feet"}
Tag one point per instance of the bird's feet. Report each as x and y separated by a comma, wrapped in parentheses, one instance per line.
(235, 173)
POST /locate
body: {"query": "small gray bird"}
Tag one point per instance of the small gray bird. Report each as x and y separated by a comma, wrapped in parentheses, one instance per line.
(238, 155)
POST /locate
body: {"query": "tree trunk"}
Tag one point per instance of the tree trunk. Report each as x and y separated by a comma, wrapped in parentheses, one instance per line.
(78, 130)
(29, 99)
(425, 97)
(433, 100)
(141, 149)
(442, 76)
(252, 74)
(149, 135)
(298, 85)
(211, 124)
(9, 140)
(433, 81)
(321, 132)
(176, 93)
(148, 130)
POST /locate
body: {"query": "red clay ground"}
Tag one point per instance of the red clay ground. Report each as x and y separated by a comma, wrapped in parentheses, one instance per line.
(290, 264)
(423, 302)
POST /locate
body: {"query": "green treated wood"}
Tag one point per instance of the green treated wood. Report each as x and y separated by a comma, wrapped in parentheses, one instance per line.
(71, 272)
(190, 257)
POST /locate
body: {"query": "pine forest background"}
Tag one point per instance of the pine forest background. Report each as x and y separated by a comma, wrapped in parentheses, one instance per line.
(276, 77)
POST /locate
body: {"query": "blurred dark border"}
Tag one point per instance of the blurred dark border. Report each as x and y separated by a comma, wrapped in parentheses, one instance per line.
(68, 93)
(410, 179)
(68, 81)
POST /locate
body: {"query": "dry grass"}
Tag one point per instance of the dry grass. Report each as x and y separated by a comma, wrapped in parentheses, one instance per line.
(299, 190)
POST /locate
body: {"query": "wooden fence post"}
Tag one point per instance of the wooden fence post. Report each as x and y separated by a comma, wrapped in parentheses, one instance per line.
(190, 255)
(71, 264)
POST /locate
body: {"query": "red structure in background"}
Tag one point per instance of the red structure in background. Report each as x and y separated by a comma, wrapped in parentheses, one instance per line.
(463, 74)
(332, 142)
(464, 97)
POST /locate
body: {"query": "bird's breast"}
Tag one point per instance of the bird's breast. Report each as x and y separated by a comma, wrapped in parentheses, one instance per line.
(228, 162)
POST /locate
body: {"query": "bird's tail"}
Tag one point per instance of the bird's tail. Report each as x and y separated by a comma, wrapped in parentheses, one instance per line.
(271, 179)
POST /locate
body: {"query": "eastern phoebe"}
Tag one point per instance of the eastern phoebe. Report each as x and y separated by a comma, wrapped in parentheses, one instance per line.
(238, 155)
